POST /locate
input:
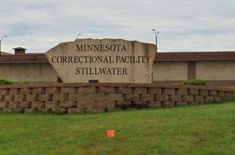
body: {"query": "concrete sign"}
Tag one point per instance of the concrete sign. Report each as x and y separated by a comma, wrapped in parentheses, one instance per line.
(103, 61)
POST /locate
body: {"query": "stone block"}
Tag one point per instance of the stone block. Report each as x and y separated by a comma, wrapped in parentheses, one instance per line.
(52, 90)
(51, 104)
(147, 97)
(107, 90)
(59, 110)
(17, 110)
(68, 104)
(132, 97)
(18, 98)
(218, 99)
(74, 111)
(2, 104)
(188, 98)
(229, 94)
(73, 97)
(168, 104)
(99, 110)
(182, 91)
(69, 90)
(30, 110)
(44, 110)
(209, 99)
(24, 91)
(13, 91)
(199, 99)
(2, 98)
(37, 104)
(100, 104)
(38, 90)
(88, 110)
(110, 104)
(213, 92)
(141, 102)
(204, 92)
(123, 103)
(106, 109)
(87, 103)
(115, 97)
(169, 91)
(182, 103)
(9, 98)
(87, 90)
(89, 97)
(6, 110)
(124, 90)
(154, 104)
(3, 92)
(177, 98)
(140, 90)
(98, 97)
(25, 104)
(162, 97)
(193, 91)
(103, 105)
(31, 97)
(58, 97)
(221, 94)
(153, 90)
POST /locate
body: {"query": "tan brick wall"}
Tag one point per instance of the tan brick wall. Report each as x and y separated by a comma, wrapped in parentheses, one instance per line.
(215, 70)
(169, 71)
(28, 72)
(83, 98)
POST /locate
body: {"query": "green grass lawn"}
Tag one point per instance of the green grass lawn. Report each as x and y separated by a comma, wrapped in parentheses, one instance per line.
(205, 129)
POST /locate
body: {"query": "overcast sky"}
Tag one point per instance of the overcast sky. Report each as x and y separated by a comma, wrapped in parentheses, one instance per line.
(184, 25)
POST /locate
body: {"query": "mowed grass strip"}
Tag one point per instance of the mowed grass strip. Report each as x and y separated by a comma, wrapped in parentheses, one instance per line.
(205, 129)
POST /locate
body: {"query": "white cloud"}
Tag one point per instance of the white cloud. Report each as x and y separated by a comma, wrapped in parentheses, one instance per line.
(194, 25)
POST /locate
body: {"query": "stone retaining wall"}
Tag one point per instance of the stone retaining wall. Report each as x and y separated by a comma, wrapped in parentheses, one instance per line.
(83, 98)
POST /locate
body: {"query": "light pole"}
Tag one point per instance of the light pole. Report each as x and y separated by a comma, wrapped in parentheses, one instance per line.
(78, 35)
(156, 34)
(1, 43)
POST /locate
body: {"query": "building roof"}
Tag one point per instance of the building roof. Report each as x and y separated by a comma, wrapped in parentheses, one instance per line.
(196, 56)
(5, 53)
(19, 48)
(160, 57)
(25, 58)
